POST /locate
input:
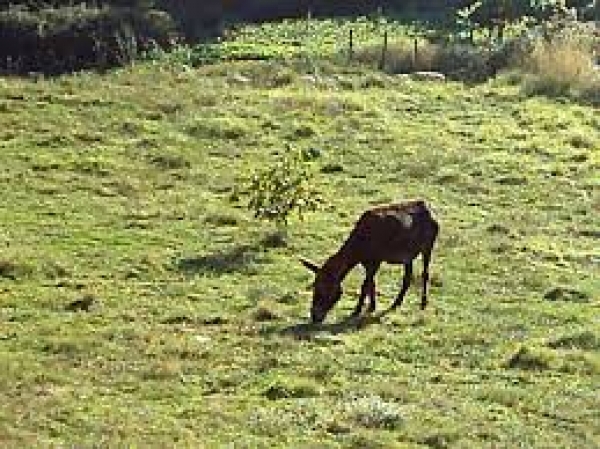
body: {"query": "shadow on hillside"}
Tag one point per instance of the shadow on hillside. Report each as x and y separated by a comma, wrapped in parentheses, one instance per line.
(233, 259)
(347, 325)
(229, 260)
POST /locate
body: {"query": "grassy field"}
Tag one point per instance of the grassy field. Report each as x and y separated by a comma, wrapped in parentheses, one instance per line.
(306, 39)
(116, 190)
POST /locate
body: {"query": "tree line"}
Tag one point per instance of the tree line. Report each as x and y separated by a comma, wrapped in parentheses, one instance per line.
(57, 36)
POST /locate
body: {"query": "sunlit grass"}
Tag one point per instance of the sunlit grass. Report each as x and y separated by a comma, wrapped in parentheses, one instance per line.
(118, 188)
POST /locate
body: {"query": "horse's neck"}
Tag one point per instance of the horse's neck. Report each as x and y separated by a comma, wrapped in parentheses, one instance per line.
(340, 264)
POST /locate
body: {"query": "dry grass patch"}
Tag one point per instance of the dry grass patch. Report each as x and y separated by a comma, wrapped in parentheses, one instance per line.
(561, 67)
(461, 62)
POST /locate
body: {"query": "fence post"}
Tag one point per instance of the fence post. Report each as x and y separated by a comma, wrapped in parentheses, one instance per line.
(384, 51)
(415, 53)
(307, 33)
(350, 44)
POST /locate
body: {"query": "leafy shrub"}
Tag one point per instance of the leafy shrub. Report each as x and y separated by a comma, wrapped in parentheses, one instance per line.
(495, 16)
(278, 190)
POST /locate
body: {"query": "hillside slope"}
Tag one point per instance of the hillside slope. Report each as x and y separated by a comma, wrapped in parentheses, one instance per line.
(116, 191)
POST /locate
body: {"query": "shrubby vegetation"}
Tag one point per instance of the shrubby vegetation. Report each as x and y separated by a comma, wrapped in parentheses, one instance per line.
(57, 40)
(551, 57)
(59, 36)
(285, 186)
(562, 65)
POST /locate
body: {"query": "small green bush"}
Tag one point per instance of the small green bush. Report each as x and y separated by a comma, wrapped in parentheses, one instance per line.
(281, 188)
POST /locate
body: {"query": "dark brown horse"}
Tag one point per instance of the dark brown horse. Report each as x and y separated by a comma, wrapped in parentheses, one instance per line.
(396, 234)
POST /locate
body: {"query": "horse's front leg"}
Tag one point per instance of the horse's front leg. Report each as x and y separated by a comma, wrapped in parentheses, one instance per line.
(368, 289)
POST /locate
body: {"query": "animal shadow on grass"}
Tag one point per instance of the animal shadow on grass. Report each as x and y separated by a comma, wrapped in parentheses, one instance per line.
(234, 259)
(229, 260)
(347, 325)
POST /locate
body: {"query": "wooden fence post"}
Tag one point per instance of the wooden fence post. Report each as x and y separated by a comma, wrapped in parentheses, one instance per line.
(415, 53)
(350, 44)
(384, 50)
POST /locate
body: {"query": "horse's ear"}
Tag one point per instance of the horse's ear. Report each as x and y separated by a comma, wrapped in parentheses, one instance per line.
(310, 265)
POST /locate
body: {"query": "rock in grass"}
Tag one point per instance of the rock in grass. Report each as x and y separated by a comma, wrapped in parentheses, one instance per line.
(328, 339)
(203, 339)
(428, 76)
(309, 79)
(238, 78)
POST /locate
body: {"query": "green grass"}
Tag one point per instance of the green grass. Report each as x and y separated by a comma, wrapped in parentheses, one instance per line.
(305, 39)
(116, 189)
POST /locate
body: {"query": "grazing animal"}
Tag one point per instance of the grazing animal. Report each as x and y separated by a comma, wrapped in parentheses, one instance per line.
(396, 234)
